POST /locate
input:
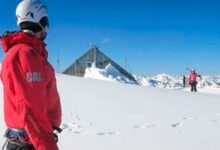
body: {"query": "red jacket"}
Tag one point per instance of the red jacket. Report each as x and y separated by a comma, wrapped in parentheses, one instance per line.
(31, 99)
(192, 77)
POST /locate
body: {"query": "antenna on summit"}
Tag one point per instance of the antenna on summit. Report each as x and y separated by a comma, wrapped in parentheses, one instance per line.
(58, 62)
(91, 45)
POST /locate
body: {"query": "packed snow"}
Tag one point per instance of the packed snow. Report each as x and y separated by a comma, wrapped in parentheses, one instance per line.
(101, 115)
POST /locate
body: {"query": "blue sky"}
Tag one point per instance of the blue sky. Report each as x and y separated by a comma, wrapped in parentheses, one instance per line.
(153, 36)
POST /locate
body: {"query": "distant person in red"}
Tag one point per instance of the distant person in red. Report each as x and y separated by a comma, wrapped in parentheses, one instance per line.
(32, 109)
(192, 80)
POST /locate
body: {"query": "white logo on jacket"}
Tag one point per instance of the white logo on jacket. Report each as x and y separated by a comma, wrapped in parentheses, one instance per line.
(33, 77)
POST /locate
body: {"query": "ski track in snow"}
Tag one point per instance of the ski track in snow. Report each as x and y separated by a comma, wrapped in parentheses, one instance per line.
(216, 121)
(76, 126)
(179, 124)
(73, 125)
(107, 133)
(145, 126)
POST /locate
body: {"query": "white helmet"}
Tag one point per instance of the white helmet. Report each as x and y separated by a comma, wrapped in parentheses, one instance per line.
(32, 11)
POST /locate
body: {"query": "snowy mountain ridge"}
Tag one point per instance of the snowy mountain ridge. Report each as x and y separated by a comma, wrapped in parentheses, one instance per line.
(173, 82)
(208, 84)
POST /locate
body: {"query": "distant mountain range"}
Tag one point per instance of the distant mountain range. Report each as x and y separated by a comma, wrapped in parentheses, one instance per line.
(110, 73)
(175, 82)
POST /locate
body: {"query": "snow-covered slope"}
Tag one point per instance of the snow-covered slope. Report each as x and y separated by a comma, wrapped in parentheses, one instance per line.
(110, 73)
(100, 115)
(208, 84)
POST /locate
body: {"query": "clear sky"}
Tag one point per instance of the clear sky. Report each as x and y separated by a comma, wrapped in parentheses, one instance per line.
(157, 36)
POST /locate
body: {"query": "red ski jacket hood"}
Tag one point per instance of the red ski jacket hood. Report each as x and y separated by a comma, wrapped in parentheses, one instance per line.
(31, 99)
(13, 39)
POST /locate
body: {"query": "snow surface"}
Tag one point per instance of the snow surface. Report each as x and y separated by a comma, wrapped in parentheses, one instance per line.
(100, 115)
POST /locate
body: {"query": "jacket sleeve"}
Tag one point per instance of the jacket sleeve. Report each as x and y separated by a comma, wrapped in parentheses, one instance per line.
(54, 105)
(28, 76)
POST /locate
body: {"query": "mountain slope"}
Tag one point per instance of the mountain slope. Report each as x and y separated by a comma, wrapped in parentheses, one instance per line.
(101, 115)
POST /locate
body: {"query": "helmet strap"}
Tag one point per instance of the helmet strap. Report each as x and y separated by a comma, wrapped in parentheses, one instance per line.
(44, 30)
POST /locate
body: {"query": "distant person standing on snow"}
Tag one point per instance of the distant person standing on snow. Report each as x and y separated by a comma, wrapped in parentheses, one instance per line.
(192, 80)
(32, 109)
(184, 81)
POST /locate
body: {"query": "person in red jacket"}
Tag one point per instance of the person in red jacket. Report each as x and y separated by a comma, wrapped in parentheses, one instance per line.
(32, 108)
(192, 80)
